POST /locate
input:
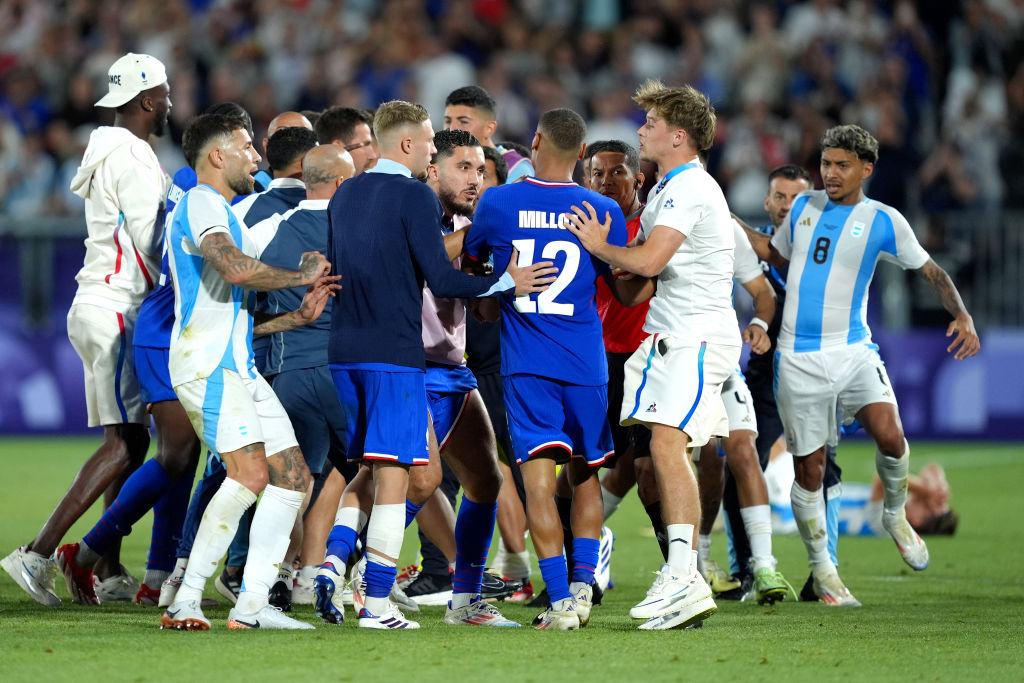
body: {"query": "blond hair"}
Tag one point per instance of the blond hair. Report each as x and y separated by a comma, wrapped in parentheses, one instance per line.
(684, 107)
(396, 114)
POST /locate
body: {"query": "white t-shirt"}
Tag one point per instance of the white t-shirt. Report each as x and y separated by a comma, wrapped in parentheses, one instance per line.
(694, 296)
(212, 320)
(747, 266)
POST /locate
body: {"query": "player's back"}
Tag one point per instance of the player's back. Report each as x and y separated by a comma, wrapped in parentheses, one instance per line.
(555, 333)
(302, 229)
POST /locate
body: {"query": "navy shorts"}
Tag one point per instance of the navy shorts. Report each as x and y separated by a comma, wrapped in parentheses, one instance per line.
(311, 401)
(545, 413)
(386, 411)
(154, 377)
(448, 389)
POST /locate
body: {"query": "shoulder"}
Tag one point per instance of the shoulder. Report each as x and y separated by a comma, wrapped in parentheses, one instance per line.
(202, 204)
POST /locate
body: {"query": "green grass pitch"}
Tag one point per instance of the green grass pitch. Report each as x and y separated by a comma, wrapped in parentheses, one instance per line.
(959, 620)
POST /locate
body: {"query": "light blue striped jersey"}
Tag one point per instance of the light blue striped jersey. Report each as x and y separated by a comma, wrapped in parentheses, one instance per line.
(212, 323)
(832, 252)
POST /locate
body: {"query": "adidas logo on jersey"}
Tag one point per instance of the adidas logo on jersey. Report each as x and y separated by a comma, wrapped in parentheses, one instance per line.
(806, 222)
(653, 408)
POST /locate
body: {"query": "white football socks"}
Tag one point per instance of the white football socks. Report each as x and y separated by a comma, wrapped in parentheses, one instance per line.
(611, 502)
(809, 512)
(680, 544)
(757, 521)
(894, 474)
(268, 541)
(217, 528)
(383, 544)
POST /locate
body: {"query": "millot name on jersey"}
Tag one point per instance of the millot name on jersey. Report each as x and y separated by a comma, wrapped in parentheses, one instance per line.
(541, 219)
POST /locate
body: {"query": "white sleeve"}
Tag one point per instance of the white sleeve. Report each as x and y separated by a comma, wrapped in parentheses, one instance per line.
(141, 189)
(910, 255)
(746, 267)
(207, 214)
(780, 240)
(264, 232)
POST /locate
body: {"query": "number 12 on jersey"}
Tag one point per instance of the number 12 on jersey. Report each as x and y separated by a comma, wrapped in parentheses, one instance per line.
(545, 302)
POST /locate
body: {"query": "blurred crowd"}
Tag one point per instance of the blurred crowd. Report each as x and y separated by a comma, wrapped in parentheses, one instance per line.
(940, 83)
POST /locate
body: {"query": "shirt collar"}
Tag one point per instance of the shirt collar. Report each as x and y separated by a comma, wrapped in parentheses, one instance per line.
(314, 204)
(285, 182)
(390, 166)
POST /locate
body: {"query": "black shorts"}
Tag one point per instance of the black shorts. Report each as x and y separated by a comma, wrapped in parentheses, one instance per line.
(637, 436)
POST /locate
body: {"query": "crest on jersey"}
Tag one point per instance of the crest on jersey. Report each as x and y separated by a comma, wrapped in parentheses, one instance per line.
(858, 229)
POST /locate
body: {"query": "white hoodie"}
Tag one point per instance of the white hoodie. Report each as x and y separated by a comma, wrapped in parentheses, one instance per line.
(124, 188)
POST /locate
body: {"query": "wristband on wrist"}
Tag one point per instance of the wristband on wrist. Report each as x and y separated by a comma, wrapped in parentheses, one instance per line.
(760, 323)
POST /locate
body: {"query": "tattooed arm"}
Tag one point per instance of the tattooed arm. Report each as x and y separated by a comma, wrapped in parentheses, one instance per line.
(239, 269)
(963, 325)
(313, 304)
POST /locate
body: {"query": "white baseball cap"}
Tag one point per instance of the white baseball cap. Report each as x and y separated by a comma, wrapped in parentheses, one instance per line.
(129, 76)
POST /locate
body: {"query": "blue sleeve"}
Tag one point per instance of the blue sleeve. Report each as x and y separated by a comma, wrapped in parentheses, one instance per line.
(618, 235)
(476, 246)
(422, 213)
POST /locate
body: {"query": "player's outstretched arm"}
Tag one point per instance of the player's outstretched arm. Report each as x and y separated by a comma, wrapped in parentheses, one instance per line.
(244, 271)
(756, 333)
(965, 342)
(647, 259)
(313, 303)
(762, 245)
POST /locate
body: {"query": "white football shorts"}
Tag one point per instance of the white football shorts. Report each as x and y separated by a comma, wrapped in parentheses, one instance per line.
(103, 340)
(229, 411)
(813, 386)
(678, 383)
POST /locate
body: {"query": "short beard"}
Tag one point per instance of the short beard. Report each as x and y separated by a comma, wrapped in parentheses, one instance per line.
(242, 185)
(159, 126)
(452, 206)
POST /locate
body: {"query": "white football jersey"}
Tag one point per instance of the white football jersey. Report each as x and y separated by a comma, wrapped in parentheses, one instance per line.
(832, 252)
(694, 296)
(212, 320)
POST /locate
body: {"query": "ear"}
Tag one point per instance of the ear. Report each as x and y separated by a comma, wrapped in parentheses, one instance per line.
(490, 127)
(216, 157)
(146, 103)
(869, 168)
(640, 178)
(433, 173)
(535, 145)
(583, 151)
(406, 145)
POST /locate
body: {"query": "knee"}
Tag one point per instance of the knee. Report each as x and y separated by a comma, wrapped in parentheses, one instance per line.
(253, 477)
(742, 459)
(422, 487)
(891, 442)
(178, 456)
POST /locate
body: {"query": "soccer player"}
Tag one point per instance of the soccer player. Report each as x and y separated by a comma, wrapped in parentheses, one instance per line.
(385, 237)
(831, 242)
(754, 513)
(229, 404)
(350, 129)
(553, 365)
(784, 184)
(472, 108)
(124, 187)
(297, 358)
(673, 381)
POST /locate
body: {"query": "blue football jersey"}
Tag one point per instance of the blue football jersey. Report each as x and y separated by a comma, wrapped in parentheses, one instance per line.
(555, 333)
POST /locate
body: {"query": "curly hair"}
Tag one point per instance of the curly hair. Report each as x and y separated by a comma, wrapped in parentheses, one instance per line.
(684, 107)
(853, 139)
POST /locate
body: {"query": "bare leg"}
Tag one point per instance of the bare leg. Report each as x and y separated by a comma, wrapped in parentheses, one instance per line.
(122, 445)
